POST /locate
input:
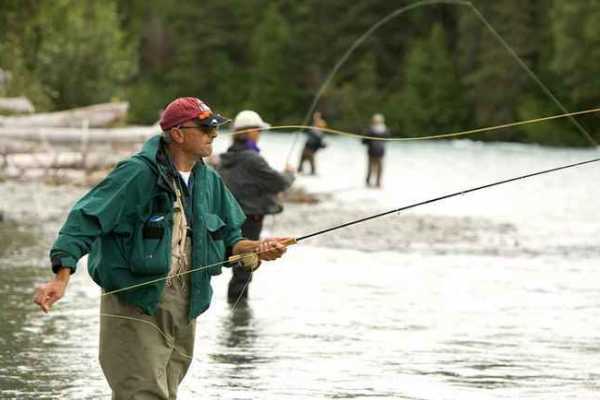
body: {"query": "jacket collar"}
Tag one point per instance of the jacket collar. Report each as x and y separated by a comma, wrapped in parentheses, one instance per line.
(243, 146)
(154, 153)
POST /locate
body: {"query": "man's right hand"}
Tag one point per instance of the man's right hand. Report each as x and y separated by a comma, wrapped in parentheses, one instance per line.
(49, 293)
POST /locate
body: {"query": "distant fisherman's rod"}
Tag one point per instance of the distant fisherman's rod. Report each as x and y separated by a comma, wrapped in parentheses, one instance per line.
(422, 203)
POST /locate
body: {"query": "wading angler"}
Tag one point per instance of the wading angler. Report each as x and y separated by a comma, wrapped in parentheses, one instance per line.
(157, 228)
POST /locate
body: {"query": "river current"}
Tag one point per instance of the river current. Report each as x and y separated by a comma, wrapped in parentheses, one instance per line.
(490, 295)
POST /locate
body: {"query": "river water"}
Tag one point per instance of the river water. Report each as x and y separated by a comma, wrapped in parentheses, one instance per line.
(490, 295)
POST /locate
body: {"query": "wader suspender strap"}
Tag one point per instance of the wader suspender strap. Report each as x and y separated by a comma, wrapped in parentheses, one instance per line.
(178, 241)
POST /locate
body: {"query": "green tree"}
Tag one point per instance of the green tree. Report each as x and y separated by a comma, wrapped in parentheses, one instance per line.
(356, 99)
(270, 90)
(275, 55)
(495, 82)
(209, 57)
(19, 44)
(432, 98)
(576, 57)
(577, 48)
(82, 58)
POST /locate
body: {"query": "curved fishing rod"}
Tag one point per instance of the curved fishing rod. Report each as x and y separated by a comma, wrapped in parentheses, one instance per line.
(355, 45)
(486, 23)
(428, 137)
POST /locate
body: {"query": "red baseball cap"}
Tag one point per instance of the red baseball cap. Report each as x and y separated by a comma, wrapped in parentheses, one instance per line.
(185, 109)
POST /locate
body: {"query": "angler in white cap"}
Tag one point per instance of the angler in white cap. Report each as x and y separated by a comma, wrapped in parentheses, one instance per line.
(253, 183)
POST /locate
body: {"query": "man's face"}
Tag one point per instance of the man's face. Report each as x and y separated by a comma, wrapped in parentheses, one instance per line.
(254, 135)
(197, 139)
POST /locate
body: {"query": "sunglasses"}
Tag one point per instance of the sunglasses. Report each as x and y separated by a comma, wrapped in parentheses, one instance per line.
(207, 130)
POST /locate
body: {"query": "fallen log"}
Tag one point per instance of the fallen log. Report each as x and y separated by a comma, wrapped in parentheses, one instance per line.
(137, 134)
(64, 160)
(12, 147)
(64, 176)
(96, 116)
(16, 105)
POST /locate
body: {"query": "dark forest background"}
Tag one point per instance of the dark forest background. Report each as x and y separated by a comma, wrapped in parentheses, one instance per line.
(434, 69)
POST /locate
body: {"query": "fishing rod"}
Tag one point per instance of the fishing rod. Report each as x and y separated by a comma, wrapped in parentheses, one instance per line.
(447, 196)
(292, 241)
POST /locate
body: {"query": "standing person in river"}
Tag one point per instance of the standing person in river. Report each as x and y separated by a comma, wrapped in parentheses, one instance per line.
(254, 184)
(375, 149)
(148, 227)
(314, 142)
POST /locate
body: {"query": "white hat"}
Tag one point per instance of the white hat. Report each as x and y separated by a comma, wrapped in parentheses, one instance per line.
(249, 119)
(378, 119)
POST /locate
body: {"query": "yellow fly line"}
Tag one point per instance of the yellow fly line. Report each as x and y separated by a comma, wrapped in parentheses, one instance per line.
(151, 323)
(164, 278)
(428, 137)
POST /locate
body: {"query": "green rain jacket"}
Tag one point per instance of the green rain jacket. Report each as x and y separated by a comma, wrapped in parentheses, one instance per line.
(125, 224)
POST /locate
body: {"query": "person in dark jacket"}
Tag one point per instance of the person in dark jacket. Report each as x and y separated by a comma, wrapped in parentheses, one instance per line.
(253, 183)
(151, 228)
(314, 142)
(375, 149)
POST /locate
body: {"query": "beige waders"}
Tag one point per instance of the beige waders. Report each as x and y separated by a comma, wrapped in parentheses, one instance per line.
(146, 357)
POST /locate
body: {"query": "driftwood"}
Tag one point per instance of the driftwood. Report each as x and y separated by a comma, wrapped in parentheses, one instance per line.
(63, 160)
(73, 156)
(78, 135)
(96, 116)
(16, 105)
(73, 168)
(15, 147)
(64, 176)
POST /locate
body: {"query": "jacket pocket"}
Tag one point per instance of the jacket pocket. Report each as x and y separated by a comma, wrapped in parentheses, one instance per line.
(216, 245)
(151, 252)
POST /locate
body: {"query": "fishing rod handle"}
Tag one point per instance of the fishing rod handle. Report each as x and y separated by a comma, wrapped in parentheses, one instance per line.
(238, 257)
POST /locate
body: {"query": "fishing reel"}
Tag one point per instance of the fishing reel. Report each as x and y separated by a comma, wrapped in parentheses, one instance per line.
(249, 261)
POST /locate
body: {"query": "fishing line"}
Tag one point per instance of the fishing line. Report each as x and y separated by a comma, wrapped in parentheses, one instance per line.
(428, 137)
(355, 45)
(168, 339)
(532, 75)
(400, 11)
(292, 241)
(233, 259)
(327, 230)
(317, 98)
(239, 298)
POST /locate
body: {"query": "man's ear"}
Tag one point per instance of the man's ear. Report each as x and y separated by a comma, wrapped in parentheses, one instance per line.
(176, 135)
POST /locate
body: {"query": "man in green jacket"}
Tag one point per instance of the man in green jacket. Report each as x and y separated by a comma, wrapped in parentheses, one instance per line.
(156, 229)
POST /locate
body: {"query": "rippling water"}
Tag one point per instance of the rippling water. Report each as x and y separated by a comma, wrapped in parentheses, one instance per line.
(492, 295)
